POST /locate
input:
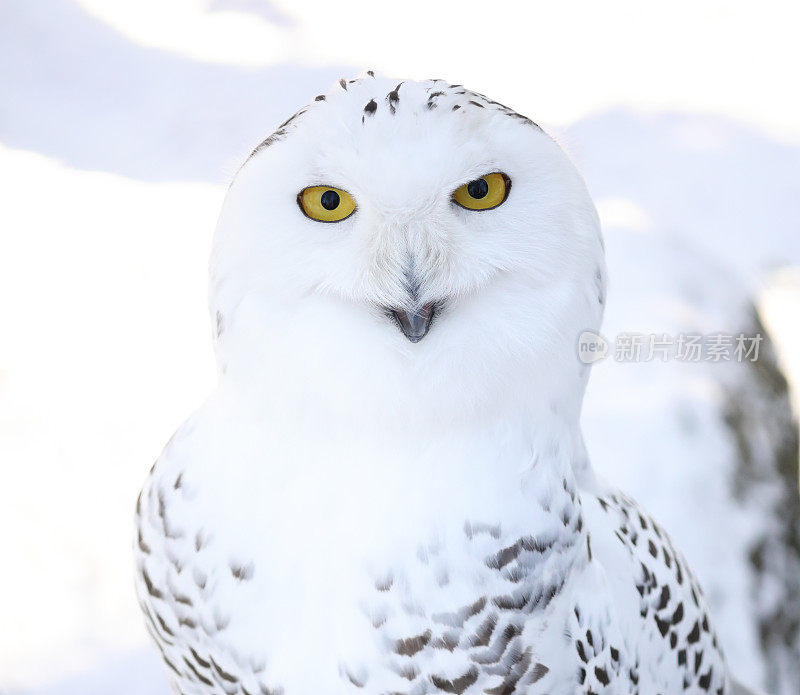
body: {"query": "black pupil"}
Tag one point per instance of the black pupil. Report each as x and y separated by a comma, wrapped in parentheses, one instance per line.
(330, 200)
(478, 188)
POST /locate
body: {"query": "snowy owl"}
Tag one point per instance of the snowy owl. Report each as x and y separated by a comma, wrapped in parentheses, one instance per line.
(388, 491)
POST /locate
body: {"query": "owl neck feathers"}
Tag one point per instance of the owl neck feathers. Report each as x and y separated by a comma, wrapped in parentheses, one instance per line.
(342, 376)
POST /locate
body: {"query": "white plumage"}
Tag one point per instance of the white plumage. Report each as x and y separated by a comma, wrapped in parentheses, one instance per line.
(355, 512)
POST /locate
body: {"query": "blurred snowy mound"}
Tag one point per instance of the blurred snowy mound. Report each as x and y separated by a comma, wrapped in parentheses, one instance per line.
(710, 445)
(114, 156)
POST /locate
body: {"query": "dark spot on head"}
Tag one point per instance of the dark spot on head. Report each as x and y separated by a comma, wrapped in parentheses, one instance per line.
(272, 139)
(291, 118)
(393, 98)
(432, 99)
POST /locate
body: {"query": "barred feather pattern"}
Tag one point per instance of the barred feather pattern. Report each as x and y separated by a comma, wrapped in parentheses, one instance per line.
(536, 629)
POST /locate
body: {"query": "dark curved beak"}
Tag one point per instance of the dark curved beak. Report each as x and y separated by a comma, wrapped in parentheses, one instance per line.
(415, 324)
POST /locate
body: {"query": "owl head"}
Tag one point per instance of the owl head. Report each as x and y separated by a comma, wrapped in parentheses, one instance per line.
(408, 248)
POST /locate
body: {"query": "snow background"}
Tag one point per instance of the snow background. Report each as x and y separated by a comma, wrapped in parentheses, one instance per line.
(121, 122)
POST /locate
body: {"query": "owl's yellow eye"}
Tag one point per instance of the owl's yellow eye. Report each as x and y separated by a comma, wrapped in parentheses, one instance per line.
(484, 193)
(326, 204)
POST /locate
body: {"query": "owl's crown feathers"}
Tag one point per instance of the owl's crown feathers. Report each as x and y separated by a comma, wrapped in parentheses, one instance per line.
(411, 250)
